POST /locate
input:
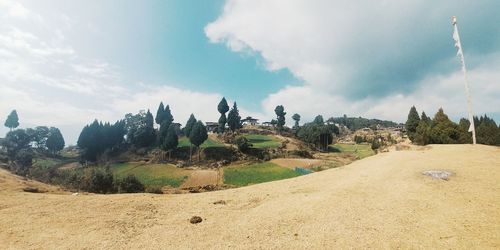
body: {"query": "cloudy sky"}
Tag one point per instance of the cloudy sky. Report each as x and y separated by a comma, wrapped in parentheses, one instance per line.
(66, 63)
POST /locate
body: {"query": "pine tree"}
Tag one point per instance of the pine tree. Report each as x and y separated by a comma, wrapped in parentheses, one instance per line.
(463, 128)
(189, 125)
(234, 118)
(55, 141)
(12, 120)
(296, 118)
(412, 123)
(280, 117)
(443, 130)
(426, 119)
(422, 134)
(171, 140)
(222, 108)
(159, 114)
(198, 136)
(319, 120)
(167, 115)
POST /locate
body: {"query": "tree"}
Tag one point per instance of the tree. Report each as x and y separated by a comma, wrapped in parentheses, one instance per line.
(222, 108)
(242, 143)
(422, 135)
(487, 131)
(189, 125)
(375, 144)
(280, 117)
(463, 129)
(15, 141)
(171, 140)
(443, 130)
(167, 116)
(144, 135)
(198, 136)
(234, 118)
(319, 120)
(12, 120)
(55, 141)
(296, 118)
(40, 136)
(426, 119)
(159, 114)
(320, 135)
(412, 122)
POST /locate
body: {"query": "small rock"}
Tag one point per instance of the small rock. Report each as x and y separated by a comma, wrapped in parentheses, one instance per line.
(221, 202)
(195, 220)
(438, 174)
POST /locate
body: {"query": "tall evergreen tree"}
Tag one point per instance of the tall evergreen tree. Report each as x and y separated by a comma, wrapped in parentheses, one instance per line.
(189, 125)
(280, 117)
(319, 120)
(234, 118)
(487, 132)
(463, 128)
(222, 108)
(443, 130)
(159, 114)
(422, 134)
(296, 118)
(412, 122)
(426, 119)
(55, 141)
(12, 120)
(171, 140)
(198, 136)
(167, 115)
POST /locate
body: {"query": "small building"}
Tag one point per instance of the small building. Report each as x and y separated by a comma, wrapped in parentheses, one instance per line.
(212, 126)
(250, 121)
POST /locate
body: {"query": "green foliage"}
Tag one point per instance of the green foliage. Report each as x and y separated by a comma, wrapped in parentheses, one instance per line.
(159, 114)
(487, 131)
(375, 144)
(171, 140)
(222, 108)
(256, 173)
(296, 118)
(198, 135)
(15, 141)
(355, 123)
(463, 128)
(101, 181)
(55, 140)
(152, 175)
(234, 118)
(280, 117)
(318, 134)
(12, 120)
(443, 130)
(422, 135)
(412, 122)
(129, 184)
(426, 119)
(23, 161)
(189, 125)
(242, 143)
(319, 120)
(140, 130)
(97, 137)
(359, 139)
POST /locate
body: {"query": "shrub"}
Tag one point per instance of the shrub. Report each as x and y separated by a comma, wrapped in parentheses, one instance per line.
(101, 181)
(130, 184)
(375, 144)
(242, 143)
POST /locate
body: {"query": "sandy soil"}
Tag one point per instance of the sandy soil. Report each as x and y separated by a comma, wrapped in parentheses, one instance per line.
(382, 201)
(200, 178)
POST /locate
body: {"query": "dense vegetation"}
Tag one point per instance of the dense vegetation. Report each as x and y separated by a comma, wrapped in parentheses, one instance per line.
(256, 173)
(441, 130)
(355, 123)
(318, 133)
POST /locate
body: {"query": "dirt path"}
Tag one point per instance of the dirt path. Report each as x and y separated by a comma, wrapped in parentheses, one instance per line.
(379, 202)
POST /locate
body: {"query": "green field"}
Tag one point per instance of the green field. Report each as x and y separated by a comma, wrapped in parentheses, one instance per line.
(46, 163)
(209, 143)
(153, 175)
(263, 141)
(256, 173)
(359, 150)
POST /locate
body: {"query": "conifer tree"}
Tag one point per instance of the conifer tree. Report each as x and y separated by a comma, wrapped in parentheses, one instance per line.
(280, 117)
(171, 140)
(55, 141)
(159, 114)
(167, 115)
(12, 120)
(234, 118)
(222, 108)
(198, 136)
(189, 125)
(296, 118)
(412, 122)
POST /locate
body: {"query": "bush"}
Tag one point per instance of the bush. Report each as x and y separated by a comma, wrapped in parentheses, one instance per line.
(101, 181)
(130, 184)
(242, 143)
(375, 144)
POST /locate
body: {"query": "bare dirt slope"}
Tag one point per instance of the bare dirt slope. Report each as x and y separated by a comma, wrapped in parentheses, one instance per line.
(379, 202)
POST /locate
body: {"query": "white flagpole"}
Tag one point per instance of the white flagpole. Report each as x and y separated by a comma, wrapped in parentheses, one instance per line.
(460, 54)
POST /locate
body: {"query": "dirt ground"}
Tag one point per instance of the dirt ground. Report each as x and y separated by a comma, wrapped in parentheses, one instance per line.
(382, 201)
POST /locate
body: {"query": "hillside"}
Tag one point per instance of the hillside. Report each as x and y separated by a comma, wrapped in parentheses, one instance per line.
(381, 201)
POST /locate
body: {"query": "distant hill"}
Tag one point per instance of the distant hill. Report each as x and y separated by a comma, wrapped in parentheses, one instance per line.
(355, 123)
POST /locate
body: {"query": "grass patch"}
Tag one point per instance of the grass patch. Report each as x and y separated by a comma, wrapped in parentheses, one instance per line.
(256, 173)
(359, 150)
(263, 141)
(152, 175)
(209, 143)
(46, 163)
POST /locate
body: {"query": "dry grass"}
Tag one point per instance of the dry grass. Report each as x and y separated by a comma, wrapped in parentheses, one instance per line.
(382, 201)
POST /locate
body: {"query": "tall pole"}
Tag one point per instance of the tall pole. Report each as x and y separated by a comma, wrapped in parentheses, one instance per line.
(460, 54)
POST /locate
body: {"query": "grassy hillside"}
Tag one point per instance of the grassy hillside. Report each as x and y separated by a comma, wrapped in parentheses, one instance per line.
(157, 175)
(359, 150)
(209, 143)
(263, 141)
(256, 173)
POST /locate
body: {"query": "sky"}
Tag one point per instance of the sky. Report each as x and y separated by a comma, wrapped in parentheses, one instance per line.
(66, 63)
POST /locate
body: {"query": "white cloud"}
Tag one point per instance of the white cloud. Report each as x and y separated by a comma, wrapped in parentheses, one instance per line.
(347, 50)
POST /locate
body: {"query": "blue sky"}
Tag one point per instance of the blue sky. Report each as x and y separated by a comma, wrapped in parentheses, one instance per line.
(65, 63)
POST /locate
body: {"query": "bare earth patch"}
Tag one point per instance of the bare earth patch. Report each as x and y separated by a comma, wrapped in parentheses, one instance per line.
(201, 178)
(382, 201)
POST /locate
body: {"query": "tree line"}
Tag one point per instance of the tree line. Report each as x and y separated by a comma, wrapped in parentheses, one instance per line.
(423, 130)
